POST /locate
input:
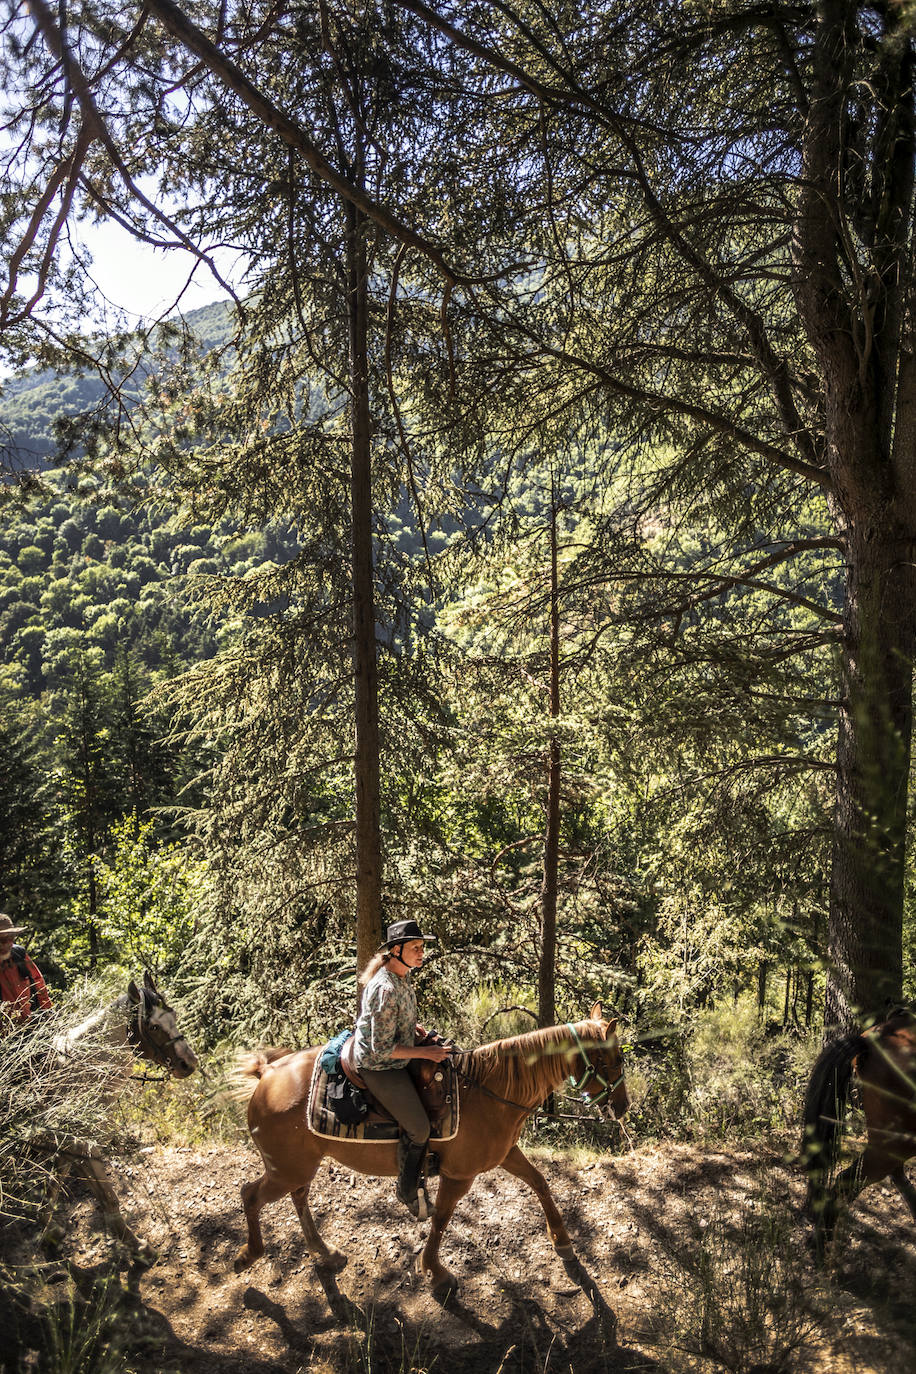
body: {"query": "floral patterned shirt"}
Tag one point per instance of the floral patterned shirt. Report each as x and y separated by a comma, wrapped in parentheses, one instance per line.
(388, 1018)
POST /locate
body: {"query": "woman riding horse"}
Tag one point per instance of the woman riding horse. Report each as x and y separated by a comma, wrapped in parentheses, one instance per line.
(386, 1040)
(501, 1084)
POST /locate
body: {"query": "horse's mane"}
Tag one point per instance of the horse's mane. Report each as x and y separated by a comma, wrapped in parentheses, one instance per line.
(522, 1064)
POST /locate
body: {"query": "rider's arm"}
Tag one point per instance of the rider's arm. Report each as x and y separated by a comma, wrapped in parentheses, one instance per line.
(41, 992)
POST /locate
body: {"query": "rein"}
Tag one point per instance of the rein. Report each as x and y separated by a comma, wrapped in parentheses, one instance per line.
(473, 1082)
(578, 1085)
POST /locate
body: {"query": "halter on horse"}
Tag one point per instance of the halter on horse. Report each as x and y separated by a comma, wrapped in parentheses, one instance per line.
(884, 1062)
(503, 1083)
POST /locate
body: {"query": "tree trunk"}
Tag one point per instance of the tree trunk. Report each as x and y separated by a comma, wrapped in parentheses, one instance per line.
(868, 428)
(763, 968)
(365, 666)
(547, 1007)
(93, 911)
(873, 764)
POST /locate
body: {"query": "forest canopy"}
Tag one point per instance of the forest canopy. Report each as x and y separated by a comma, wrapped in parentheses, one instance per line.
(570, 395)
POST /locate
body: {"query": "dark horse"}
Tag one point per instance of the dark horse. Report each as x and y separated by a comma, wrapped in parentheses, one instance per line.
(884, 1062)
(502, 1083)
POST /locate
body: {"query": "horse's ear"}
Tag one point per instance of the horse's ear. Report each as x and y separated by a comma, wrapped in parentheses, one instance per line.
(133, 991)
(148, 980)
(596, 1013)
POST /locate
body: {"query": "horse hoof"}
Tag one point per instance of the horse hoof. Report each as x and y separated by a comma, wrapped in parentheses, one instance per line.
(335, 1260)
(566, 1252)
(445, 1287)
(242, 1261)
(145, 1256)
(442, 1282)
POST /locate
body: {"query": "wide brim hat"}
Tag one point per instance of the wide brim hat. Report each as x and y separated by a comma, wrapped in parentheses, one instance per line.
(7, 927)
(401, 931)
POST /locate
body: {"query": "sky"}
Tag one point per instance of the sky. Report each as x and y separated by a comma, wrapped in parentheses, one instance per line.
(144, 282)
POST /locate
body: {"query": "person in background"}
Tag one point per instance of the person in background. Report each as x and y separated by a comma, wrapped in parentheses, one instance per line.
(386, 1038)
(22, 987)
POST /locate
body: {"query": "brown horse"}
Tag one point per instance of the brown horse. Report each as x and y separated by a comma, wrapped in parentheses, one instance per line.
(884, 1062)
(502, 1083)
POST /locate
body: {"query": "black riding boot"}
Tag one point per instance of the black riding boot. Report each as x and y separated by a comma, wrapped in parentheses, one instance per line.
(412, 1177)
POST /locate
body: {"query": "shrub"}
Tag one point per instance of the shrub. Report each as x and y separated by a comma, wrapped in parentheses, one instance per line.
(741, 1293)
(148, 897)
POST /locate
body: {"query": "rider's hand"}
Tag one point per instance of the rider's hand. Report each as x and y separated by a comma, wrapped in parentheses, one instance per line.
(434, 1052)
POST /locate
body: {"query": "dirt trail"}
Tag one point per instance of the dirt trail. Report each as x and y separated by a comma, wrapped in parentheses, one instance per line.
(519, 1308)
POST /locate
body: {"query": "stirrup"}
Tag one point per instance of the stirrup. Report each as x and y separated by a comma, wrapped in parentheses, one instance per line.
(418, 1204)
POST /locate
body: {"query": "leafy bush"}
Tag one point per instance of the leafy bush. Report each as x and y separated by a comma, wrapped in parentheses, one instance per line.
(721, 1074)
(148, 898)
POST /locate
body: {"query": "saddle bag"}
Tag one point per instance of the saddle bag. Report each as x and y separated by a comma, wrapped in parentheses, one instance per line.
(349, 1104)
(330, 1055)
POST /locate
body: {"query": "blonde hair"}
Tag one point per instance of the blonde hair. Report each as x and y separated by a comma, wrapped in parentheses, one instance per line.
(377, 961)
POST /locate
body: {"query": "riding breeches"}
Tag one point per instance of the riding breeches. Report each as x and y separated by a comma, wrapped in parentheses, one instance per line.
(394, 1089)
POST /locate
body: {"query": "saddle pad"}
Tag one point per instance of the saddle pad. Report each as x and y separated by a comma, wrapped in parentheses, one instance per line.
(322, 1121)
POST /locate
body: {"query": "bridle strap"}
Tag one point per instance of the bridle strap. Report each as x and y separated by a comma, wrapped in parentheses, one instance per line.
(591, 1072)
(140, 1039)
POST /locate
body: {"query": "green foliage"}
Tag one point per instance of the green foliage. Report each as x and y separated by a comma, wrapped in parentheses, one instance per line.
(34, 402)
(147, 898)
(726, 1073)
(86, 1336)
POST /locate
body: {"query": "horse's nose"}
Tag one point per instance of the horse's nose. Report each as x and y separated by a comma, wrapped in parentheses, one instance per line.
(187, 1058)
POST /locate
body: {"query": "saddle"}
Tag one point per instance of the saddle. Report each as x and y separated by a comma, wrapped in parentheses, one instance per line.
(433, 1082)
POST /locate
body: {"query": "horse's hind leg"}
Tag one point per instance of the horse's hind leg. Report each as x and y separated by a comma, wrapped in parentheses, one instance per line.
(520, 1166)
(905, 1189)
(255, 1196)
(321, 1253)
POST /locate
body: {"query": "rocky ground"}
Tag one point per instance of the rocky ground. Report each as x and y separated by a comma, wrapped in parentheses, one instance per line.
(672, 1242)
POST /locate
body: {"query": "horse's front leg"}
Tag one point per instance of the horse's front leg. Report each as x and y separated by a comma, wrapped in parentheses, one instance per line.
(451, 1191)
(520, 1166)
(93, 1168)
(54, 1230)
(324, 1256)
(846, 1188)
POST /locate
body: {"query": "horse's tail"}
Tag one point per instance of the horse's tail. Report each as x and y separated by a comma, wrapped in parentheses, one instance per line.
(250, 1066)
(825, 1107)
